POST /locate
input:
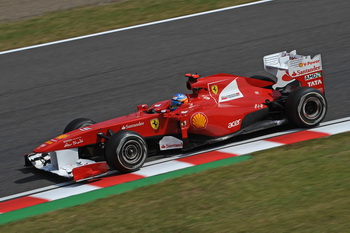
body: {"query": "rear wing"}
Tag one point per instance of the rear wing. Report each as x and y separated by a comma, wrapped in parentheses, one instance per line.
(291, 67)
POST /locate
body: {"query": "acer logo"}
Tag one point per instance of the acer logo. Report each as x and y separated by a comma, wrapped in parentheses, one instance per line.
(234, 123)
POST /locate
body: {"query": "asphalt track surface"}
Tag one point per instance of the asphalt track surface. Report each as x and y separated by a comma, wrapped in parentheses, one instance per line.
(104, 77)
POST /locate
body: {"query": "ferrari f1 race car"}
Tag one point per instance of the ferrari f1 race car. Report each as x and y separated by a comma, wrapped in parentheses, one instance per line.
(220, 106)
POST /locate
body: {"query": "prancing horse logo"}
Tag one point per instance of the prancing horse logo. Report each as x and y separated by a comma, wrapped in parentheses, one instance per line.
(214, 89)
(155, 123)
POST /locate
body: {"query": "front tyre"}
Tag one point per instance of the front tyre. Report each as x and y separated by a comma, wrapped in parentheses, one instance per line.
(126, 151)
(78, 123)
(306, 107)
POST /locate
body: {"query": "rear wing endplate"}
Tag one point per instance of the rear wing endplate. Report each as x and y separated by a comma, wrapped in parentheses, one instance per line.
(291, 67)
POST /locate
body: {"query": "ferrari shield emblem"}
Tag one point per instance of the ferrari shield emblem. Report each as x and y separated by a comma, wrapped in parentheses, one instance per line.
(214, 89)
(155, 123)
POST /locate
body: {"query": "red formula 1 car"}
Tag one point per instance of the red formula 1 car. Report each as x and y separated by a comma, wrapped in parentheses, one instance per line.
(220, 106)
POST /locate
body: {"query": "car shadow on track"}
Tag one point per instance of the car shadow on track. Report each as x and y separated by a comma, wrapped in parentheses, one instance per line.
(35, 175)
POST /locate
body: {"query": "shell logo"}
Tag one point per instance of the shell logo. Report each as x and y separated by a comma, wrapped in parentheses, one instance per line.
(199, 120)
(301, 64)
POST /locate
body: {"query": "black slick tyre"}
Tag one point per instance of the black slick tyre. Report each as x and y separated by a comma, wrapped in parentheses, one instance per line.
(306, 107)
(126, 151)
(78, 123)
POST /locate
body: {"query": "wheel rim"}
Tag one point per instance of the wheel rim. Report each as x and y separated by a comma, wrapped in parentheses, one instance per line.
(132, 152)
(312, 108)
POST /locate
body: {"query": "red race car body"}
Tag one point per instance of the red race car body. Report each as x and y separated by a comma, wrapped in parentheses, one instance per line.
(220, 106)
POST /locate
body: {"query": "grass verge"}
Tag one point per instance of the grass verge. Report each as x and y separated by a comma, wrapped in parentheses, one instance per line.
(87, 20)
(303, 187)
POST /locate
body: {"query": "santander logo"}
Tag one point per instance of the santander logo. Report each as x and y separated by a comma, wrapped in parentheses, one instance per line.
(169, 143)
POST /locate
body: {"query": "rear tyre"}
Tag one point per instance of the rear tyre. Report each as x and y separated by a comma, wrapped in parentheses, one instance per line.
(78, 123)
(126, 151)
(306, 107)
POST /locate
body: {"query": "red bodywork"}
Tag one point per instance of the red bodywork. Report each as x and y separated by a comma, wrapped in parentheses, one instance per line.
(220, 106)
(216, 108)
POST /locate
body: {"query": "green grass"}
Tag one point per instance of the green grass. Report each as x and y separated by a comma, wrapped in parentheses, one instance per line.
(304, 187)
(87, 20)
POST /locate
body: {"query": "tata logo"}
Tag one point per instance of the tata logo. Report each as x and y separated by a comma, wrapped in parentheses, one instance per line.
(315, 83)
(154, 123)
(214, 89)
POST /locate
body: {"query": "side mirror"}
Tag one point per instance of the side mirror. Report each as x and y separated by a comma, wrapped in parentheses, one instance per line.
(165, 110)
(142, 107)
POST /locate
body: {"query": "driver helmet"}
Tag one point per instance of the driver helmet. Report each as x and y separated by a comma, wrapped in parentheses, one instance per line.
(177, 101)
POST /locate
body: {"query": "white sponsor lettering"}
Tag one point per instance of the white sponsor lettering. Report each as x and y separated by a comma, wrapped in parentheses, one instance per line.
(234, 123)
(257, 106)
(313, 76)
(315, 83)
(73, 142)
(133, 125)
(42, 145)
(84, 129)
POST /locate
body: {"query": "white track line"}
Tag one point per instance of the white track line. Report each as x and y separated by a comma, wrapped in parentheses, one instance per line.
(335, 121)
(65, 191)
(226, 148)
(162, 168)
(135, 26)
(341, 127)
(253, 147)
(39, 190)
